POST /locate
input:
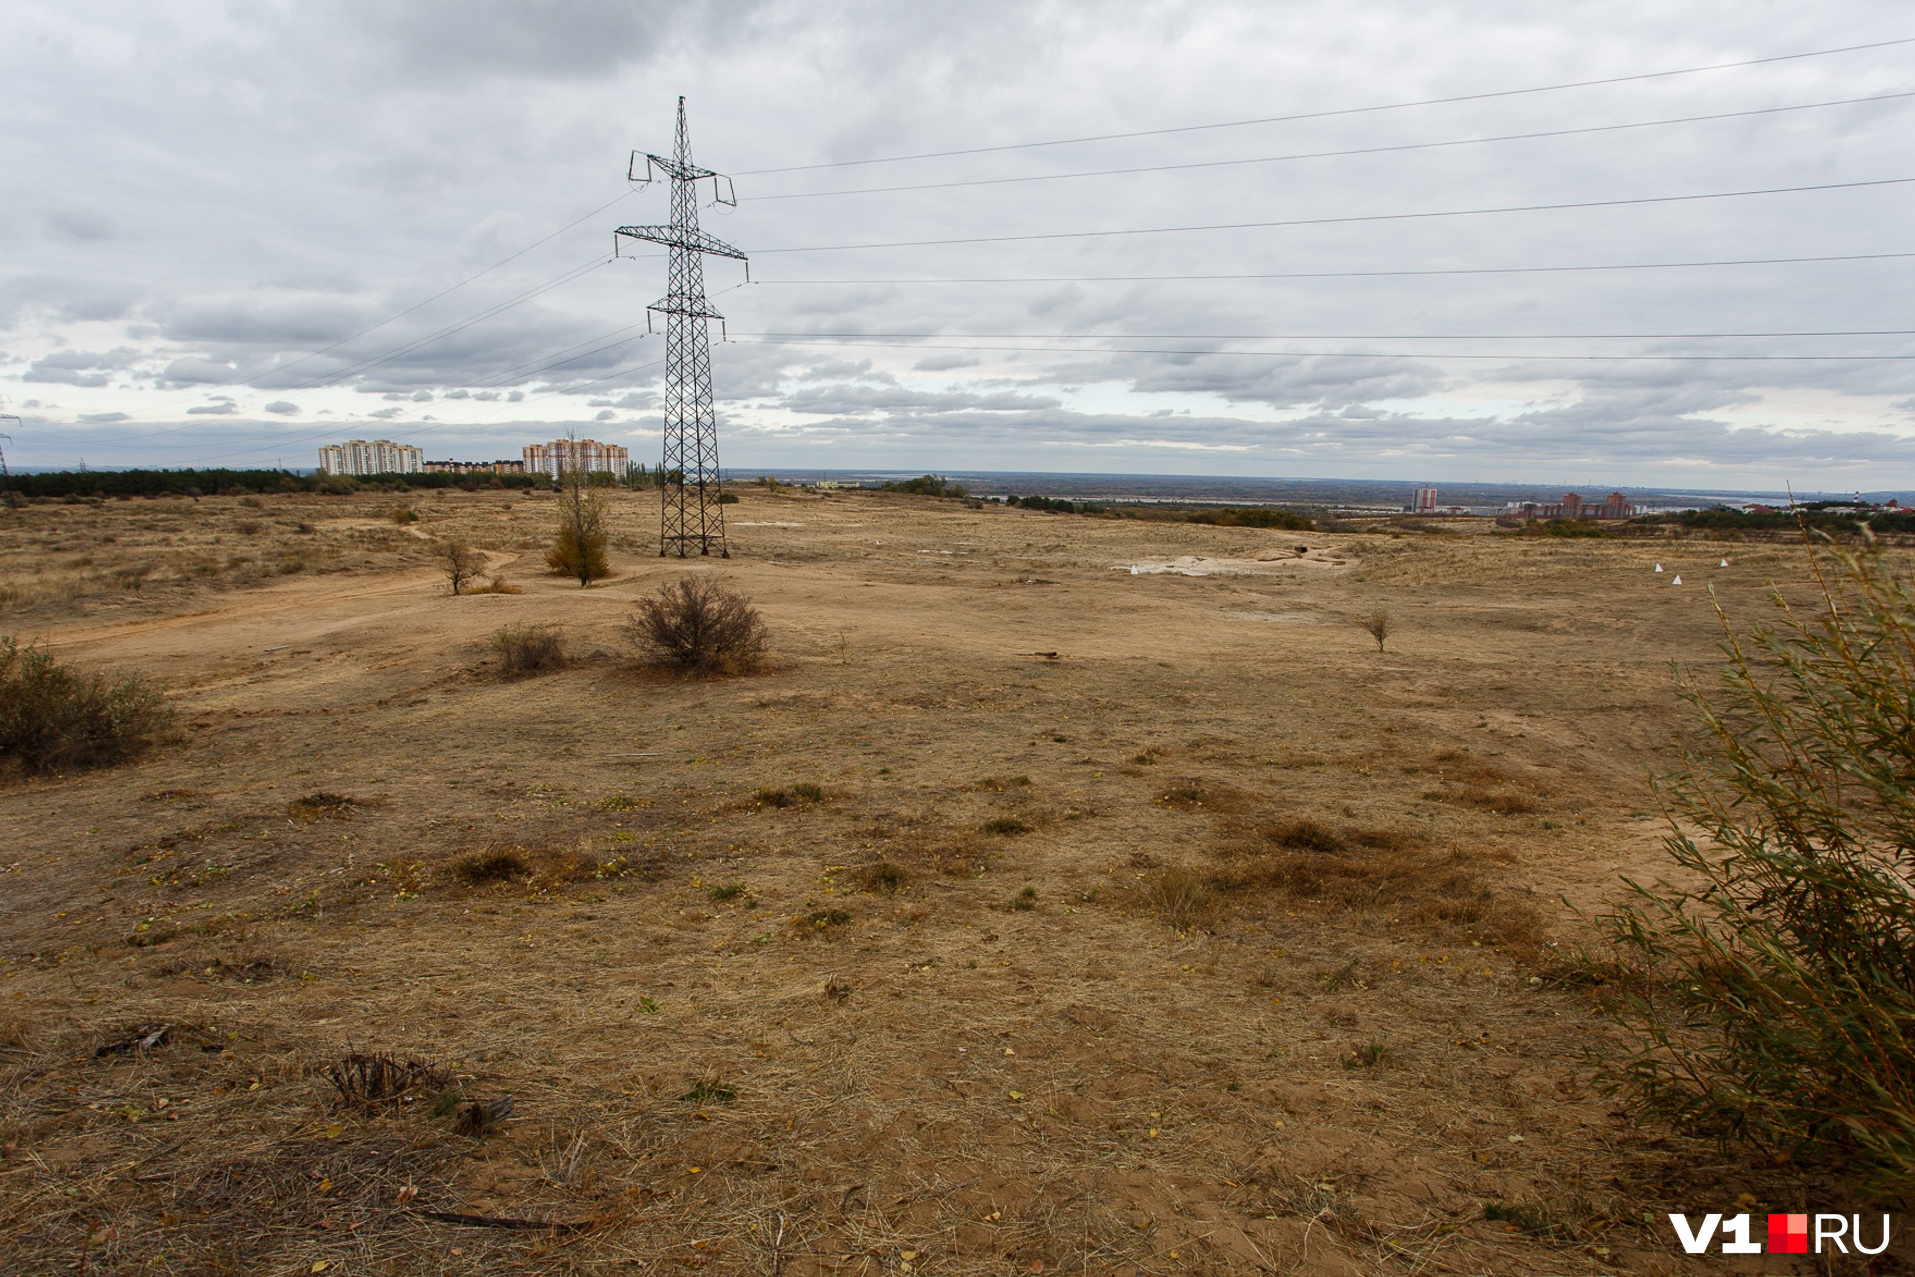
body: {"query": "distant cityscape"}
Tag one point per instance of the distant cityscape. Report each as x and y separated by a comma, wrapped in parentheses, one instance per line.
(362, 457)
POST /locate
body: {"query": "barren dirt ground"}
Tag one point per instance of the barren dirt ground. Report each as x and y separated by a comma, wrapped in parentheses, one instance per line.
(1140, 922)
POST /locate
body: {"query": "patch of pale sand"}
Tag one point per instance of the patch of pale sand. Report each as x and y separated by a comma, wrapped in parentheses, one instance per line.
(1199, 565)
(768, 524)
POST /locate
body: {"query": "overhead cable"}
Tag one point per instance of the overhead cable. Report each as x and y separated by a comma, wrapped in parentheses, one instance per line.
(1341, 111)
(1348, 218)
(1325, 155)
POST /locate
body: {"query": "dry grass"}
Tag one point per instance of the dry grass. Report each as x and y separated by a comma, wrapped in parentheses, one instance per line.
(1168, 1050)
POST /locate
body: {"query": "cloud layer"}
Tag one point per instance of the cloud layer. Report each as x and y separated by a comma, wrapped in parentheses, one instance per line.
(242, 231)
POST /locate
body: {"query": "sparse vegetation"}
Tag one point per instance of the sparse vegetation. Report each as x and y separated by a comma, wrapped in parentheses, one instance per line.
(461, 564)
(1377, 626)
(528, 649)
(1006, 826)
(1180, 896)
(882, 877)
(321, 802)
(54, 717)
(1773, 1001)
(580, 548)
(484, 867)
(699, 625)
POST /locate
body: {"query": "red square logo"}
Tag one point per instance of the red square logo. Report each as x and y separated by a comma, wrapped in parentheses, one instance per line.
(1788, 1234)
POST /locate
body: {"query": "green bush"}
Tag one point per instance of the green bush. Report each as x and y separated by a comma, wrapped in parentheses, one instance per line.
(580, 550)
(926, 485)
(1773, 1001)
(53, 716)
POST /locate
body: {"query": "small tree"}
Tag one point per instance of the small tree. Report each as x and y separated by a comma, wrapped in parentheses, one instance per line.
(462, 564)
(1377, 626)
(700, 626)
(580, 550)
(1772, 997)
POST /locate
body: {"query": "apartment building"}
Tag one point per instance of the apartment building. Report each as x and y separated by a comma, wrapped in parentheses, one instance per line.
(575, 454)
(371, 456)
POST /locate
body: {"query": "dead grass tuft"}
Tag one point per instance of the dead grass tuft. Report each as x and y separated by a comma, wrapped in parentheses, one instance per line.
(882, 877)
(319, 803)
(1180, 896)
(1383, 870)
(484, 867)
(369, 1080)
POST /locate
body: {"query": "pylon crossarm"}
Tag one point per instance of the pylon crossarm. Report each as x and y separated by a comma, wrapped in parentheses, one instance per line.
(671, 168)
(678, 237)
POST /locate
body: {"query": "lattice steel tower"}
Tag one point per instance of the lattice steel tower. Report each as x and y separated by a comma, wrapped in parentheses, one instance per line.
(692, 515)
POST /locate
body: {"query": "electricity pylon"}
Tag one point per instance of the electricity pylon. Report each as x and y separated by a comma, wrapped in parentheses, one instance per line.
(692, 515)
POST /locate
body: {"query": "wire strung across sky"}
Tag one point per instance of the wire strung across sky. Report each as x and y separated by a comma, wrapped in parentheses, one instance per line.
(1325, 155)
(1529, 356)
(1348, 219)
(1329, 114)
(1353, 274)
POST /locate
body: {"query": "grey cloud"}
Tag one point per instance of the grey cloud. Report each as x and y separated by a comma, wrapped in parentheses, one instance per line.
(606, 415)
(81, 367)
(213, 410)
(385, 414)
(87, 225)
(944, 363)
(282, 407)
(102, 418)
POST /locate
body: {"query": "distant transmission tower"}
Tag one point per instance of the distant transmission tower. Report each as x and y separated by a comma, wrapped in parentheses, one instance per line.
(692, 515)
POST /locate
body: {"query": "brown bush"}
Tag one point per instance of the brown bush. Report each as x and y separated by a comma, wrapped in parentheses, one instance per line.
(527, 649)
(700, 626)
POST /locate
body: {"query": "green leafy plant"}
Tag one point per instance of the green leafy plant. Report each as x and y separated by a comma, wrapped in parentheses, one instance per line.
(580, 549)
(1772, 1000)
(53, 716)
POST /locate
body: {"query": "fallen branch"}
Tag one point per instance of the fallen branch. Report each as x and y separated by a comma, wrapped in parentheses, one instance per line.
(505, 1221)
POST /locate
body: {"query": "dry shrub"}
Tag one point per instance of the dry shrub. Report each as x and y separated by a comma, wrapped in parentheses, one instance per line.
(370, 1080)
(1386, 871)
(539, 868)
(700, 626)
(461, 565)
(1180, 896)
(494, 865)
(883, 877)
(528, 649)
(1006, 826)
(320, 803)
(53, 716)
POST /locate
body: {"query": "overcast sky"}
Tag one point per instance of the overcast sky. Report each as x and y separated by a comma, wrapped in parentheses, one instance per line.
(199, 197)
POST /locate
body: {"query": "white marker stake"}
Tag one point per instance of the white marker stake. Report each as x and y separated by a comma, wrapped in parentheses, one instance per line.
(1678, 580)
(1723, 564)
(1658, 567)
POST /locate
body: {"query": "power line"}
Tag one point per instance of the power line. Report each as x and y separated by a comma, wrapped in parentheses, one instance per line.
(537, 290)
(1348, 219)
(1846, 332)
(504, 261)
(1324, 155)
(1520, 356)
(1323, 115)
(1356, 274)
